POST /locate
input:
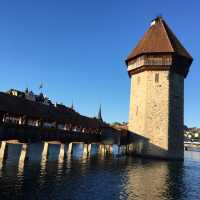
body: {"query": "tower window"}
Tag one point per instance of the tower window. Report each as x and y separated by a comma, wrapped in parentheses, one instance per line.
(156, 77)
(136, 110)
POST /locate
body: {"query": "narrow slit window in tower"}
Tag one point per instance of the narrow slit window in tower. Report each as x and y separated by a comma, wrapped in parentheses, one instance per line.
(156, 77)
(136, 110)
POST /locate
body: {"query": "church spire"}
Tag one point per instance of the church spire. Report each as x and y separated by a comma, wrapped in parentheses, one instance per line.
(99, 117)
(72, 106)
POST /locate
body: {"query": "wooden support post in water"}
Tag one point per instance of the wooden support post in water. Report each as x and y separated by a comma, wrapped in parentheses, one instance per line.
(70, 148)
(62, 152)
(45, 151)
(3, 149)
(131, 148)
(101, 149)
(23, 153)
(44, 158)
(127, 149)
(61, 158)
(86, 149)
(89, 148)
(22, 158)
(107, 149)
(110, 149)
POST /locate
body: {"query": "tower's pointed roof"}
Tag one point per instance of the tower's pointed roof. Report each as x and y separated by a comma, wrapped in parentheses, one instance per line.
(159, 39)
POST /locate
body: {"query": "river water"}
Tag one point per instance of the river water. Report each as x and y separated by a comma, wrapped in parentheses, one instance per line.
(98, 177)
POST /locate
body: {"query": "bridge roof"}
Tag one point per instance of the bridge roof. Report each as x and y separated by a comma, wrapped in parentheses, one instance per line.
(22, 107)
(159, 39)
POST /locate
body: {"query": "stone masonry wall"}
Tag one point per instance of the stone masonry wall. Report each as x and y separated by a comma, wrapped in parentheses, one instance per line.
(137, 111)
(156, 113)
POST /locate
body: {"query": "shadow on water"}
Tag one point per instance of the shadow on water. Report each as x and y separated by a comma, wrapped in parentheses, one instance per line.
(96, 177)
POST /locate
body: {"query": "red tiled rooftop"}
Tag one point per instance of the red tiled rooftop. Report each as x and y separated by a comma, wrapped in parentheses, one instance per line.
(159, 39)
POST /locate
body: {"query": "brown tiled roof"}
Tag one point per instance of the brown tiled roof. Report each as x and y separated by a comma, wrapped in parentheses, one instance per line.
(159, 39)
(121, 127)
(19, 106)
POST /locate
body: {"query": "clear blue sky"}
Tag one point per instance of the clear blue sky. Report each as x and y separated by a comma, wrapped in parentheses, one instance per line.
(77, 49)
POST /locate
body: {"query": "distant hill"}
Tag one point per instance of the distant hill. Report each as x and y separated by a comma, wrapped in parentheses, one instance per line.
(192, 133)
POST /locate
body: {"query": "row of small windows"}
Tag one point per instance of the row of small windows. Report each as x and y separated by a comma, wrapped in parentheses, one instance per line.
(152, 60)
(156, 78)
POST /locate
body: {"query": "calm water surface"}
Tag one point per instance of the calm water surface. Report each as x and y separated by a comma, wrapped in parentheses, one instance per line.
(97, 177)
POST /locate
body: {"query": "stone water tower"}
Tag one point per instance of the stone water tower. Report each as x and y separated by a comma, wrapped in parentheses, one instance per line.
(157, 67)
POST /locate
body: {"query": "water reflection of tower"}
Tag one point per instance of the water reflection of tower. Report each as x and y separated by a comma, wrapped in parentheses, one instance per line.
(175, 180)
(60, 164)
(154, 180)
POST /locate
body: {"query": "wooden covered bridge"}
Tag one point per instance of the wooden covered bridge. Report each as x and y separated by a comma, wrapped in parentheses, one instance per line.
(24, 122)
(31, 121)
